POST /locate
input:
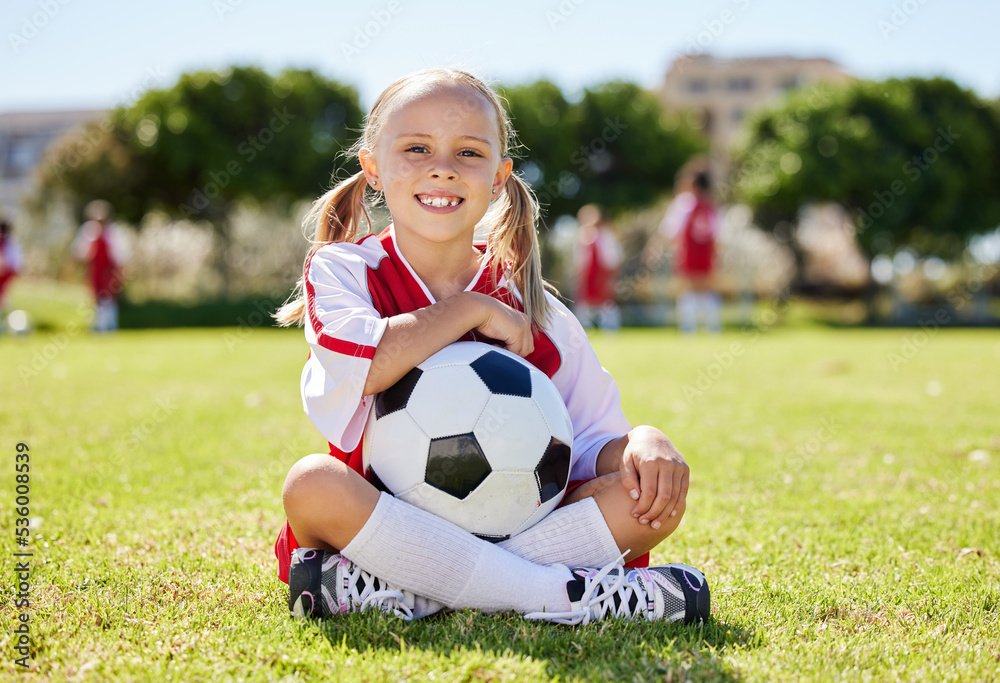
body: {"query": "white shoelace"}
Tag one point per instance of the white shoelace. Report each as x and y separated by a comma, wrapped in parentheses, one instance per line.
(386, 600)
(596, 606)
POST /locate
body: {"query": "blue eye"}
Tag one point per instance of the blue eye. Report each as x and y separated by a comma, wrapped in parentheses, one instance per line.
(416, 148)
(470, 152)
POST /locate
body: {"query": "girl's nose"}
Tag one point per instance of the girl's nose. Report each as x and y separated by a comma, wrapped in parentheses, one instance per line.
(442, 169)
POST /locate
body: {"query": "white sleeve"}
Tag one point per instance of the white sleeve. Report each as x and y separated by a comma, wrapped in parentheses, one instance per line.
(677, 214)
(13, 256)
(84, 238)
(118, 242)
(342, 329)
(610, 249)
(589, 391)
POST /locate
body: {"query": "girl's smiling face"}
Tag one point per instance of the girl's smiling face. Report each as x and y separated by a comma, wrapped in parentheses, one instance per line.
(438, 162)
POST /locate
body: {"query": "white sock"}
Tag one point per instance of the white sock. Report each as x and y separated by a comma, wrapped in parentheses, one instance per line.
(710, 305)
(687, 311)
(433, 558)
(575, 536)
(610, 317)
(425, 607)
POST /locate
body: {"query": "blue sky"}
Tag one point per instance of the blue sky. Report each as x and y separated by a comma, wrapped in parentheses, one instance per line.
(77, 54)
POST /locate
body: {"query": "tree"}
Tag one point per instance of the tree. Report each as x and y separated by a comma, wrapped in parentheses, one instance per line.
(615, 147)
(628, 148)
(89, 163)
(546, 128)
(212, 139)
(915, 161)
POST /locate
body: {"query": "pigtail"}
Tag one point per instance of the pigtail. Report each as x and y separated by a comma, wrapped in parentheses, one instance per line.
(512, 239)
(334, 217)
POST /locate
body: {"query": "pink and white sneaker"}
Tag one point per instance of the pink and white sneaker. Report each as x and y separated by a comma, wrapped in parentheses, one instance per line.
(672, 592)
(322, 584)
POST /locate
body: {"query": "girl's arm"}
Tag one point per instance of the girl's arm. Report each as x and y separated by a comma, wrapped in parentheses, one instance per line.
(652, 470)
(411, 338)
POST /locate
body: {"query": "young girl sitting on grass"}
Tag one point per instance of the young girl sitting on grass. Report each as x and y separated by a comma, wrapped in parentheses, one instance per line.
(435, 145)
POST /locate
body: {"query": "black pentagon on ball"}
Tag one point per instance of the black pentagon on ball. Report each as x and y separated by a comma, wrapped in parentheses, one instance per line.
(552, 471)
(456, 465)
(502, 374)
(492, 538)
(395, 397)
(375, 481)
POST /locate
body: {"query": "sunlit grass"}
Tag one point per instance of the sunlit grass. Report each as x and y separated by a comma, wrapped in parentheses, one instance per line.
(845, 512)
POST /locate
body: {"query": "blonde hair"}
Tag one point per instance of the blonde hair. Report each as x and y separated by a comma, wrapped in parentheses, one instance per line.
(509, 224)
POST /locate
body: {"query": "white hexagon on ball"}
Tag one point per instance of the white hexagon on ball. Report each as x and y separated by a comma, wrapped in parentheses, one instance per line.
(398, 434)
(512, 427)
(448, 400)
(545, 394)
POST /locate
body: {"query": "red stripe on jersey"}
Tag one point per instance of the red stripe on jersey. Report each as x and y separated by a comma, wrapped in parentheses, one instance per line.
(326, 341)
(345, 347)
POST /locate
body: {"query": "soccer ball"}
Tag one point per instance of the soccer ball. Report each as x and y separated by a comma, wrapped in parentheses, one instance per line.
(18, 322)
(474, 434)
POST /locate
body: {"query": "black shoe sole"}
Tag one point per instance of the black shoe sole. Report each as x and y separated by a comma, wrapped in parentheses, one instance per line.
(305, 581)
(698, 599)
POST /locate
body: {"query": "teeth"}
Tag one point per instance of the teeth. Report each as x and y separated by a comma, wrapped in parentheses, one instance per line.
(439, 201)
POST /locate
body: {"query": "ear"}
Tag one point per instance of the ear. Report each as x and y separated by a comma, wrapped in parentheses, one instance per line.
(369, 167)
(504, 170)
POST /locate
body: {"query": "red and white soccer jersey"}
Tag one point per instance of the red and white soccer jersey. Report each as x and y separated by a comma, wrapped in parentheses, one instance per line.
(105, 250)
(352, 290)
(693, 223)
(11, 261)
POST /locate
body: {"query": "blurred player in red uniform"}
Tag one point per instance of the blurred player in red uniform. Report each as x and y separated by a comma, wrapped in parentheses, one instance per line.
(10, 263)
(692, 223)
(598, 259)
(101, 245)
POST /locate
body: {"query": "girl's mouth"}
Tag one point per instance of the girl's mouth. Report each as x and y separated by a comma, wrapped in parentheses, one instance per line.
(439, 202)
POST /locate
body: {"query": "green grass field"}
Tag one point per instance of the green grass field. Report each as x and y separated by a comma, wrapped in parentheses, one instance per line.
(844, 506)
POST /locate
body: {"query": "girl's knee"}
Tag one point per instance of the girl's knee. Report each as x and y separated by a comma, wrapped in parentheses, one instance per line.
(314, 476)
(323, 496)
(316, 462)
(669, 524)
(616, 505)
(643, 538)
(590, 489)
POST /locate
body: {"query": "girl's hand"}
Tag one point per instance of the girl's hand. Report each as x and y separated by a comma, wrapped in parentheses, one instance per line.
(655, 475)
(506, 325)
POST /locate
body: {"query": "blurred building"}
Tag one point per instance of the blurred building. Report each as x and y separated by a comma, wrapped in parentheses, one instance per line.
(723, 91)
(24, 137)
